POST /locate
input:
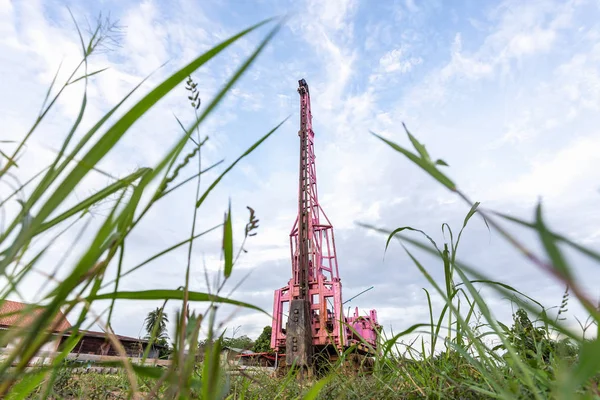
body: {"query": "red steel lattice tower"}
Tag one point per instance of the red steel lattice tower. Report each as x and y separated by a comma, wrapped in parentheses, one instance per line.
(312, 300)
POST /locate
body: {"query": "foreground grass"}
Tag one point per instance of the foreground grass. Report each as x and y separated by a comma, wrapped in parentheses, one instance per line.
(447, 375)
(480, 357)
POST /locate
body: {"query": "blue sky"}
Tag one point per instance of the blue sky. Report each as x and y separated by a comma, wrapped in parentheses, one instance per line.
(506, 92)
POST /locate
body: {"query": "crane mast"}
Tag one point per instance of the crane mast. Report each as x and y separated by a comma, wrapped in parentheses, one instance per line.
(311, 302)
(307, 190)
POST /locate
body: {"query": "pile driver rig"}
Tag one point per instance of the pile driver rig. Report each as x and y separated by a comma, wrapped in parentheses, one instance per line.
(308, 318)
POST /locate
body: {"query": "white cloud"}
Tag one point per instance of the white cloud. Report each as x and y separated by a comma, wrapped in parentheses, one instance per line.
(146, 37)
(550, 106)
(328, 27)
(581, 79)
(460, 65)
(540, 40)
(394, 60)
(334, 14)
(518, 30)
(410, 4)
(7, 29)
(559, 174)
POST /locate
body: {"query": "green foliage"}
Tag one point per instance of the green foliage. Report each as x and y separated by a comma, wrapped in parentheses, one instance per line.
(530, 342)
(263, 342)
(156, 324)
(242, 342)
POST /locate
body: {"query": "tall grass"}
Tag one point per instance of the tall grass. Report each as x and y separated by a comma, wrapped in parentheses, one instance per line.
(528, 362)
(44, 211)
(481, 357)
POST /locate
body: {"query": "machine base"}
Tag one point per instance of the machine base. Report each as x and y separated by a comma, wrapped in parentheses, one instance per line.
(298, 343)
(326, 359)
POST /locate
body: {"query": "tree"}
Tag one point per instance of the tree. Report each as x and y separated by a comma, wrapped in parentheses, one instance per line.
(156, 325)
(242, 342)
(263, 342)
(535, 345)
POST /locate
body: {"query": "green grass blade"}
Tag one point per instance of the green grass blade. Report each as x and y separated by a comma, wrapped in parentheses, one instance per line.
(426, 166)
(316, 389)
(95, 198)
(106, 239)
(445, 227)
(433, 338)
(27, 384)
(205, 170)
(40, 117)
(228, 243)
(587, 366)
(117, 279)
(552, 249)
(126, 217)
(398, 230)
(74, 127)
(419, 147)
(162, 253)
(88, 75)
(387, 346)
(169, 294)
(21, 187)
(143, 371)
(471, 212)
(505, 286)
(250, 150)
(584, 250)
(447, 270)
(81, 41)
(9, 158)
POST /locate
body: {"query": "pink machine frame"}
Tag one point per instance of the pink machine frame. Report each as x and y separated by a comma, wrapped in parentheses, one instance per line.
(324, 285)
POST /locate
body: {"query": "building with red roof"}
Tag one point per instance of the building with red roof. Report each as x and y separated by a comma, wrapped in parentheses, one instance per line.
(20, 316)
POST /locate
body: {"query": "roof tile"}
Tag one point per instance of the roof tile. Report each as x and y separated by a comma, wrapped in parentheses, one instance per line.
(13, 313)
